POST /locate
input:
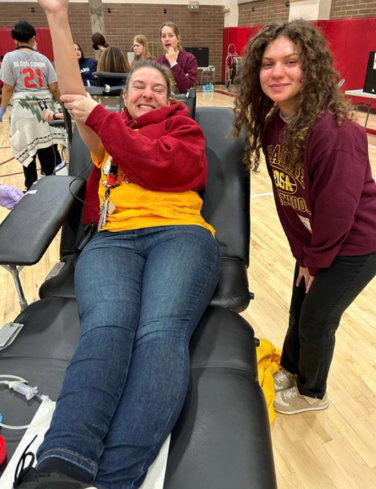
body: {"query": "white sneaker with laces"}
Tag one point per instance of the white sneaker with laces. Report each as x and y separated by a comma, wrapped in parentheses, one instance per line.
(290, 401)
(284, 380)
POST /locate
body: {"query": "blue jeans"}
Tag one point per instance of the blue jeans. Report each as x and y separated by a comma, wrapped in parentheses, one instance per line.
(140, 297)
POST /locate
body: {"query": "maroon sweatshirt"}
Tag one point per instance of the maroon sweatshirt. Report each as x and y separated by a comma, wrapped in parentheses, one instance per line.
(185, 72)
(161, 150)
(327, 208)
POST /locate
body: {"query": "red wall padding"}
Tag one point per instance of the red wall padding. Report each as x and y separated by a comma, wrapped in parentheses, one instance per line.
(43, 39)
(238, 36)
(350, 41)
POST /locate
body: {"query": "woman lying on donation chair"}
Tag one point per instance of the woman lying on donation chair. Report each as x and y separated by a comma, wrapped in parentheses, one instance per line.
(142, 282)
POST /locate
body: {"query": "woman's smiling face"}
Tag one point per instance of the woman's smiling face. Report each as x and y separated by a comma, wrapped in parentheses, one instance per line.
(147, 91)
(281, 74)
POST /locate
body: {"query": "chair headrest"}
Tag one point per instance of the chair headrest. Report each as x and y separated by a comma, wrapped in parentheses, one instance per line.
(189, 99)
(108, 78)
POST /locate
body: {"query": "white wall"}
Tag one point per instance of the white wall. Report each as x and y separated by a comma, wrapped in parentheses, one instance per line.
(232, 17)
(310, 9)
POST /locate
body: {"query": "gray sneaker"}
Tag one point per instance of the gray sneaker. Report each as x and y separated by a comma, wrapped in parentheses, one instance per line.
(284, 380)
(291, 401)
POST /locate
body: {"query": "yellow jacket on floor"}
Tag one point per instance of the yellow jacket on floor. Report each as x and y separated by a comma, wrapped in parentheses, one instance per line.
(268, 360)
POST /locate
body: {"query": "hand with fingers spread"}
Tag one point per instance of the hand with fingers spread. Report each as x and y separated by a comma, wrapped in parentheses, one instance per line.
(79, 106)
(172, 55)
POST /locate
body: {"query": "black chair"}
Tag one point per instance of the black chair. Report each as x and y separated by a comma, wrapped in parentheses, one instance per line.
(110, 87)
(112, 84)
(189, 99)
(222, 438)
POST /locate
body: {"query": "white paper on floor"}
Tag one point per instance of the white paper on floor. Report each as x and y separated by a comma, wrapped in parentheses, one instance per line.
(154, 478)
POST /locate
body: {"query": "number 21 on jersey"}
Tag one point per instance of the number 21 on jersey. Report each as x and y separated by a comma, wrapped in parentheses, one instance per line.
(32, 77)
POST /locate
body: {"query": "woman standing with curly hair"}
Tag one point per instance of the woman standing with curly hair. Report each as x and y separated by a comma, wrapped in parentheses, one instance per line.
(317, 158)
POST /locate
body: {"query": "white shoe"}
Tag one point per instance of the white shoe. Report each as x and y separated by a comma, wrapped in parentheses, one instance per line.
(284, 380)
(290, 401)
(61, 169)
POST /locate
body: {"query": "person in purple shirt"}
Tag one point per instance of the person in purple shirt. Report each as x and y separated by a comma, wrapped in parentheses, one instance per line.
(183, 65)
(317, 158)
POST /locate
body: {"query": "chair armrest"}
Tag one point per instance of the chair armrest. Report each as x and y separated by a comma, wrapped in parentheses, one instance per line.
(59, 123)
(95, 91)
(30, 227)
(113, 90)
(108, 74)
(232, 290)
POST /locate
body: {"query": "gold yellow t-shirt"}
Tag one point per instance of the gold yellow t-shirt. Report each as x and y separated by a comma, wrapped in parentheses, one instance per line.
(137, 207)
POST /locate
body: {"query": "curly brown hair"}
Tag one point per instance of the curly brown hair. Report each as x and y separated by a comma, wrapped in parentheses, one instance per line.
(320, 91)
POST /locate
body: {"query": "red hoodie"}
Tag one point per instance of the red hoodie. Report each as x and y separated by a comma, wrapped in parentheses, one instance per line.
(162, 150)
(327, 208)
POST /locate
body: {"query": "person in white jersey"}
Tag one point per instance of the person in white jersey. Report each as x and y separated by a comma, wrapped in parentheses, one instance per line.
(30, 86)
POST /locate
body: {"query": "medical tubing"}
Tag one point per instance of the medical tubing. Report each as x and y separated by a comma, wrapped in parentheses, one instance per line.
(32, 425)
(4, 376)
(43, 398)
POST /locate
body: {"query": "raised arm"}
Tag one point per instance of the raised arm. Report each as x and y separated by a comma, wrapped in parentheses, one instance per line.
(67, 69)
(66, 65)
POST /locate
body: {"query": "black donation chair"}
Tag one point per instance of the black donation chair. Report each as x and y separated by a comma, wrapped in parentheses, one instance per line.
(189, 99)
(108, 84)
(222, 438)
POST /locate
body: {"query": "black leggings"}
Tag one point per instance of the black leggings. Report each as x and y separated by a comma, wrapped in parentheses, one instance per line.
(314, 318)
(49, 158)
